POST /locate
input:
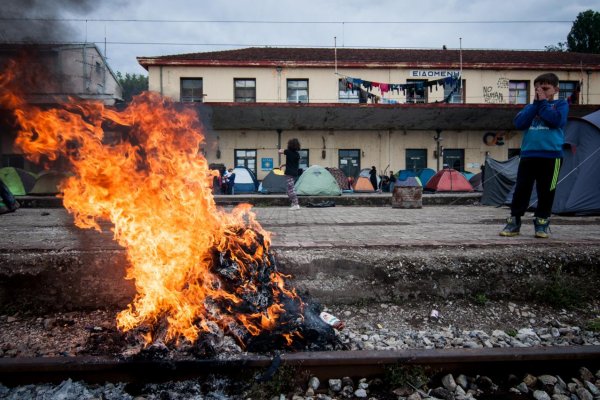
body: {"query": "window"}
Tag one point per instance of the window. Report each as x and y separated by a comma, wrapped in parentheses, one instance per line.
(303, 160)
(244, 90)
(458, 96)
(566, 89)
(245, 158)
(518, 92)
(349, 162)
(417, 93)
(455, 159)
(346, 95)
(191, 90)
(297, 90)
(416, 159)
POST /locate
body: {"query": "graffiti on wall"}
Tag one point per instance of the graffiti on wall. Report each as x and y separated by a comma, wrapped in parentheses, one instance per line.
(496, 94)
(492, 96)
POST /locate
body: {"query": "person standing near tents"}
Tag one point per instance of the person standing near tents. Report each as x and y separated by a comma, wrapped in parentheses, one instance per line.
(373, 177)
(230, 181)
(292, 164)
(8, 199)
(392, 181)
(541, 153)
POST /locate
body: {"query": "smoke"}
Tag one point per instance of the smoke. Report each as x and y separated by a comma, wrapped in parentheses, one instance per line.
(40, 21)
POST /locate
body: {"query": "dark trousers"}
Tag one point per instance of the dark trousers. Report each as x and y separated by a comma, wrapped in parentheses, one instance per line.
(544, 173)
(7, 197)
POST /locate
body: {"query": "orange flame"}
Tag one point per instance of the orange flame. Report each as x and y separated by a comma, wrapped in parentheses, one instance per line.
(155, 188)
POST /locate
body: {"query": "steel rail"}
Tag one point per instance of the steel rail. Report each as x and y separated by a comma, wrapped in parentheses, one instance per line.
(325, 365)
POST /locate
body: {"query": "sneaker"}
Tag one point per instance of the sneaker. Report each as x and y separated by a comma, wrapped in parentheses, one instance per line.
(294, 208)
(542, 227)
(14, 207)
(512, 228)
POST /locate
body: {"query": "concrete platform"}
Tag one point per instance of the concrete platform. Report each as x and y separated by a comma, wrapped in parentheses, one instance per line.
(338, 255)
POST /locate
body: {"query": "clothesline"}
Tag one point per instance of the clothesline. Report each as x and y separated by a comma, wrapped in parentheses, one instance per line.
(353, 84)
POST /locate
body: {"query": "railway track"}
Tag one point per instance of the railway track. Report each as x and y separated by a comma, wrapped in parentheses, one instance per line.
(324, 365)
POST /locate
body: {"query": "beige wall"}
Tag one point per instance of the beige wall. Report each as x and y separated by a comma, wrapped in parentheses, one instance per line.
(481, 86)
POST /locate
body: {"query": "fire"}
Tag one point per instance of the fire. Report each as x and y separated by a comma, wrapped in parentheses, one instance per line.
(154, 186)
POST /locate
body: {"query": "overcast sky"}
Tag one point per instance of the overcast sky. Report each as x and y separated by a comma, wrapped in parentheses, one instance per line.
(481, 24)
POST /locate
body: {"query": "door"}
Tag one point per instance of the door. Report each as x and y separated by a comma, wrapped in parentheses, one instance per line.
(349, 162)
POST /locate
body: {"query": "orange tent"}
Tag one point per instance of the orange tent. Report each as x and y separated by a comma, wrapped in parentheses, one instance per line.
(448, 180)
(363, 184)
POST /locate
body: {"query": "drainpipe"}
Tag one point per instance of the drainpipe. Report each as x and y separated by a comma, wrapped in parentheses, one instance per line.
(161, 80)
(438, 138)
(279, 146)
(589, 73)
(279, 69)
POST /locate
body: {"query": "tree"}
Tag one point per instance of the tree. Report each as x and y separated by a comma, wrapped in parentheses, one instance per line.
(585, 33)
(132, 84)
(560, 46)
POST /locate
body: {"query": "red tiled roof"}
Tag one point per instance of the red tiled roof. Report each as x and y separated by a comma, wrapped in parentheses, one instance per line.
(380, 58)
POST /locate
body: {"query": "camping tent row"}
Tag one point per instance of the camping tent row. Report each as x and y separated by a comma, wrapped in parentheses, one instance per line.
(319, 181)
(21, 182)
(578, 186)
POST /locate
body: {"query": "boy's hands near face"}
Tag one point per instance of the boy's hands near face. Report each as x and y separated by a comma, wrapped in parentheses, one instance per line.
(540, 94)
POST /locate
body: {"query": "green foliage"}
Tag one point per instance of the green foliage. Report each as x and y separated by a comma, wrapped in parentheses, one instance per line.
(283, 382)
(405, 375)
(480, 299)
(559, 293)
(511, 332)
(559, 47)
(132, 84)
(593, 325)
(584, 36)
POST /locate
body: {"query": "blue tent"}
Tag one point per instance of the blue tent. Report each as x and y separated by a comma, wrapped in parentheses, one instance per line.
(425, 175)
(245, 181)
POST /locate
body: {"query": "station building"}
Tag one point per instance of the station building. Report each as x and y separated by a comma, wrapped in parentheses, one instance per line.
(395, 109)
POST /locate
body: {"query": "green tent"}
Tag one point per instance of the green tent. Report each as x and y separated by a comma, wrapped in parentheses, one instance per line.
(317, 181)
(18, 181)
(47, 183)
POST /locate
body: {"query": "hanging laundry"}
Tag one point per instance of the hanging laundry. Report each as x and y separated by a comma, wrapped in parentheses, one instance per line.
(384, 87)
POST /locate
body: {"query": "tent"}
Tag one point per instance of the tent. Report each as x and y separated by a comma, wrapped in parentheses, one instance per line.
(499, 178)
(476, 182)
(340, 177)
(363, 185)
(274, 182)
(47, 183)
(425, 175)
(410, 181)
(317, 181)
(405, 174)
(245, 181)
(578, 188)
(18, 181)
(448, 180)
(363, 182)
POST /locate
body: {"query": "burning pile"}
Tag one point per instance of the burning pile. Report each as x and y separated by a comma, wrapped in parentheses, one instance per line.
(197, 268)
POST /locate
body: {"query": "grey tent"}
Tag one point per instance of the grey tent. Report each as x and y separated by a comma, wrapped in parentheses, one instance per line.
(578, 188)
(498, 180)
(274, 182)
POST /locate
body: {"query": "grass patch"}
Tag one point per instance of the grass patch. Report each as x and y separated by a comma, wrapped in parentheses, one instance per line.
(593, 325)
(402, 375)
(283, 381)
(480, 299)
(560, 293)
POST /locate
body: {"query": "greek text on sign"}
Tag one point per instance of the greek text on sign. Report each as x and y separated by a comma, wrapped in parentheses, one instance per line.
(432, 73)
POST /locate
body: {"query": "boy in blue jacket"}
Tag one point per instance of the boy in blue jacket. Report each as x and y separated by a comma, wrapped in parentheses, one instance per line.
(541, 154)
